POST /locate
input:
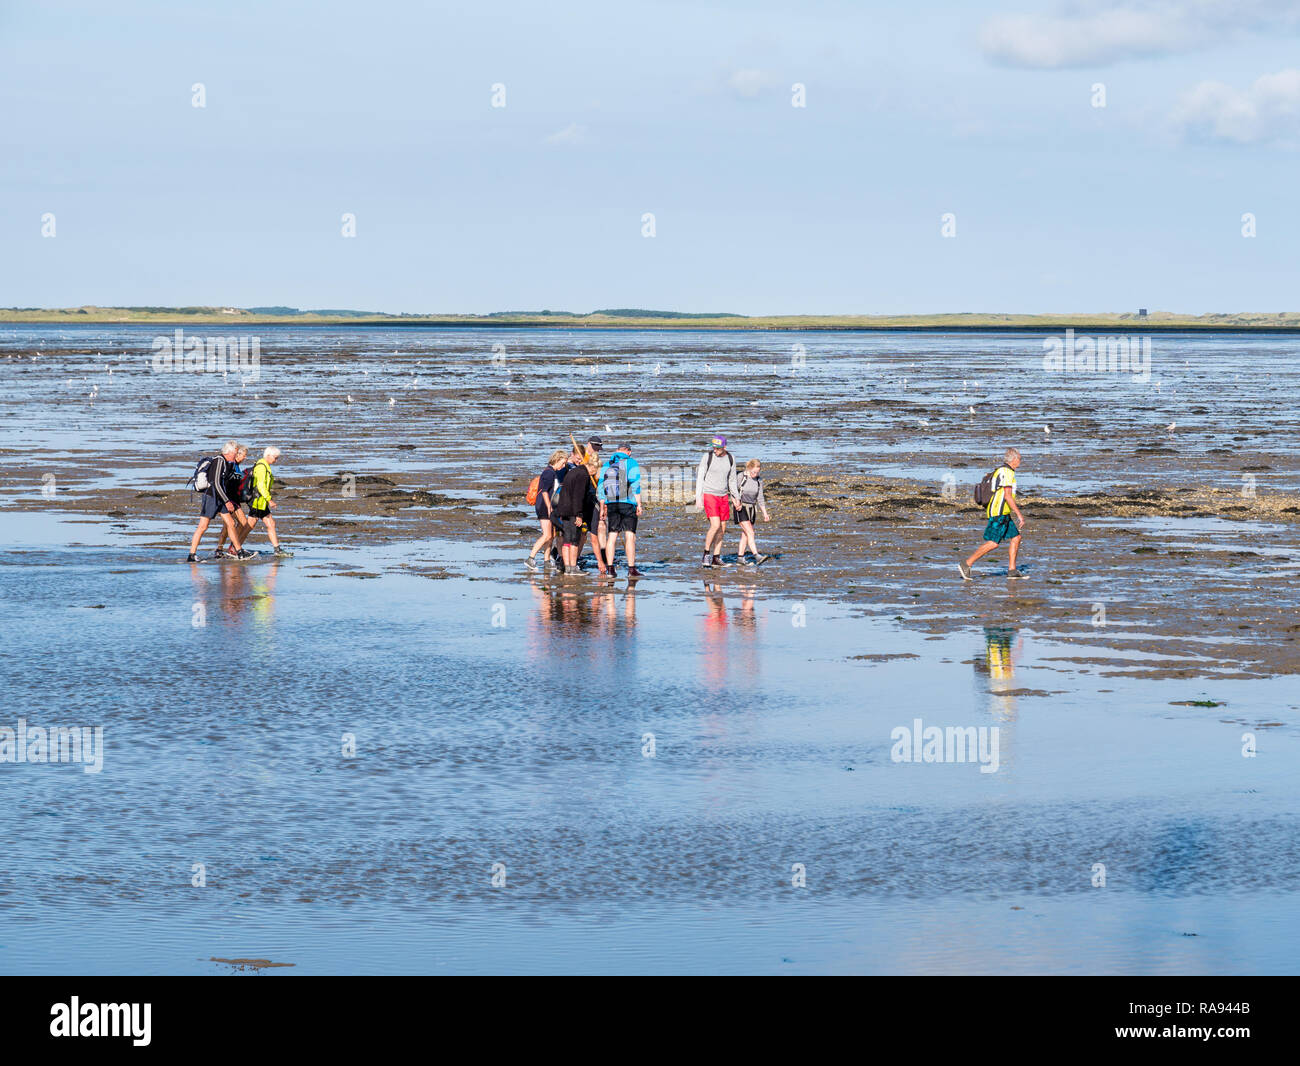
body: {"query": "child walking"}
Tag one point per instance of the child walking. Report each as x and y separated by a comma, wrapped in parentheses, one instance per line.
(745, 508)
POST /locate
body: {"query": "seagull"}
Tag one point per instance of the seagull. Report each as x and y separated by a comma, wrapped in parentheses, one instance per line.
(607, 428)
(1047, 431)
(1172, 426)
(923, 422)
(656, 368)
(349, 399)
(971, 410)
(391, 401)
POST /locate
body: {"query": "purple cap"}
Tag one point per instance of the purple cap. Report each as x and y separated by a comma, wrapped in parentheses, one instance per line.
(719, 442)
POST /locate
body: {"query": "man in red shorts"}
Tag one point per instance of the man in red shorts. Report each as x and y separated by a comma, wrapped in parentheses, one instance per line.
(715, 488)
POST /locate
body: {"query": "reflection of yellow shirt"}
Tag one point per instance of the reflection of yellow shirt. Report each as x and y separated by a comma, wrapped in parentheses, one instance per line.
(1004, 478)
(999, 661)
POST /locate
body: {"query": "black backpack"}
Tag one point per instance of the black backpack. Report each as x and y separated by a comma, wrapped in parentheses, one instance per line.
(246, 491)
(984, 490)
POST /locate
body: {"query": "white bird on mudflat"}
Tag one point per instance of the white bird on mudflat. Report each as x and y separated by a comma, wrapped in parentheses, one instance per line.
(391, 401)
(971, 410)
(922, 422)
(607, 428)
(349, 399)
(1172, 426)
(1047, 431)
(656, 368)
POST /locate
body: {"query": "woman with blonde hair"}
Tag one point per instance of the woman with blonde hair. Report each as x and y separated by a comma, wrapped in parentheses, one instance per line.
(745, 507)
(261, 505)
(544, 505)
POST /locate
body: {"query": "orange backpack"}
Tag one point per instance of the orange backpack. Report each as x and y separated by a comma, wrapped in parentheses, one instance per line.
(534, 487)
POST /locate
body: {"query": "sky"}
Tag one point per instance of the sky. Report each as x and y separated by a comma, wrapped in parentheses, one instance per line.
(682, 110)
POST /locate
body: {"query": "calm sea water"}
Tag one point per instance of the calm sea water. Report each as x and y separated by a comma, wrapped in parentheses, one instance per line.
(483, 773)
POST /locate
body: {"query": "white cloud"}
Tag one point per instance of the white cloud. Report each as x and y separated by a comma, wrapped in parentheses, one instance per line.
(571, 134)
(1269, 110)
(1101, 32)
(748, 83)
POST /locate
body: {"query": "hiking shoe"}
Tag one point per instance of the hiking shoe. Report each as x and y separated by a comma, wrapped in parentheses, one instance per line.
(633, 573)
(719, 561)
(191, 558)
(964, 570)
(760, 559)
(282, 552)
(559, 565)
(612, 571)
(243, 553)
(219, 553)
(531, 563)
(1014, 573)
(706, 562)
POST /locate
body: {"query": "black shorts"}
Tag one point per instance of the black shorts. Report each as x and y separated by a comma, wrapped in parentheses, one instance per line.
(543, 515)
(622, 518)
(590, 518)
(572, 529)
(741, 513)
(258, 512)
(209, 508)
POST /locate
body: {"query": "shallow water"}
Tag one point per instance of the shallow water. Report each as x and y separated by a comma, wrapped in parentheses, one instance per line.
(521, 743)
(503, 719)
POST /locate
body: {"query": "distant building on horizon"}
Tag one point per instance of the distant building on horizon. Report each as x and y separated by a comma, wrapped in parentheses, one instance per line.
(1142, 312)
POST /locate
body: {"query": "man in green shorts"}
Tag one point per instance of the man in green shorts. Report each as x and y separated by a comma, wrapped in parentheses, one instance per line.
(1001, 524)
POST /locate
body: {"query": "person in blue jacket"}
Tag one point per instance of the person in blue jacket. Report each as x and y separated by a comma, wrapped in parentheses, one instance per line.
(618, 491)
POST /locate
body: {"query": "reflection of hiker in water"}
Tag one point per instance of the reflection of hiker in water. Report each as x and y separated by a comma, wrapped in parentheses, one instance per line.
(999, 655)
(1002, 647)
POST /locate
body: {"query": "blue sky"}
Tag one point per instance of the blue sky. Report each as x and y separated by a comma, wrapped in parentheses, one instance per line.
(681, 109)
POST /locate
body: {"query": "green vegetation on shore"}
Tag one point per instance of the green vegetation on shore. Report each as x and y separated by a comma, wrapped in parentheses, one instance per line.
(632, 318)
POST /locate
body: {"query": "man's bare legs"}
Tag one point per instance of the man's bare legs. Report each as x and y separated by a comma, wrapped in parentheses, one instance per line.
(714, 537)
(629, 548)
(1013, 546)
(204, 522)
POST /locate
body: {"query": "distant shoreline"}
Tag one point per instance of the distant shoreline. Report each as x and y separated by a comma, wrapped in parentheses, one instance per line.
(1159, 322)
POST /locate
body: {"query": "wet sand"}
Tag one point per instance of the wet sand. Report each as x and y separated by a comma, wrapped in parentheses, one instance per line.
(1159, 553)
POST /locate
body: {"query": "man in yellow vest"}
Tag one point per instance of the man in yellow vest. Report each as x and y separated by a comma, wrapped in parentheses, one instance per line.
(1001, 525)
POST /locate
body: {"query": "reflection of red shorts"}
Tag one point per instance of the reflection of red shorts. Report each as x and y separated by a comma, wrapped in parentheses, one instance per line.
(717, 506)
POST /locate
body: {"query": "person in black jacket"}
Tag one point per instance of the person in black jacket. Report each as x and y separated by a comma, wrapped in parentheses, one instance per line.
(217, 503)
(577, 498)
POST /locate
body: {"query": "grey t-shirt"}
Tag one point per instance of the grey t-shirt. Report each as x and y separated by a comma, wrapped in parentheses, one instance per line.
(750, 491)
(716, 478)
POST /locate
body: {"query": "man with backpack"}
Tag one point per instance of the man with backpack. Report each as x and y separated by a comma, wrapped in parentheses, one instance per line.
(715, 488)
(997, 492)
(619, 494)
(211, 478)
(236, 479)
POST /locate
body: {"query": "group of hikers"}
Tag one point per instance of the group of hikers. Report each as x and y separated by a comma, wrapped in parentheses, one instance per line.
(578, 499)
(225, 490)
